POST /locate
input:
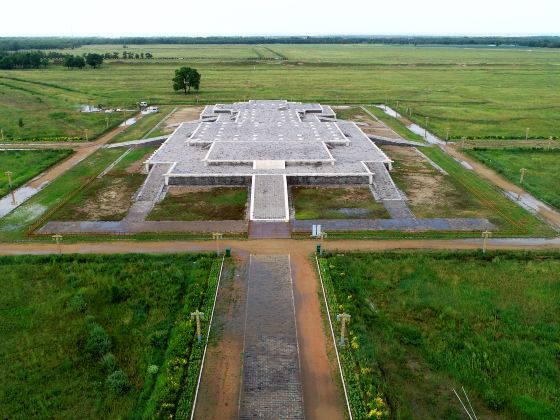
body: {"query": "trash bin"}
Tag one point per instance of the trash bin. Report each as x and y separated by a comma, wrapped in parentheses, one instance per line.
(318, 249)
(228, 252)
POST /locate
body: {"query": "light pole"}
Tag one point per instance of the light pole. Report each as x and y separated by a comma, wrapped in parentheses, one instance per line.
(57, 238)
(447, 135)
(426, 129)
(343, 318)
(485, 235)
(2, 133)
(217, 237)
(9, 175)
(527, 134)
(522, 176)
(463, 142)
(197, 315)
(86, 131)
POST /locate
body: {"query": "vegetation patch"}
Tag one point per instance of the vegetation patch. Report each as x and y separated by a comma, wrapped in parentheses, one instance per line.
(425, 323)
(541, 177)
(352, 202)
(100, 336)
(26, 164)
(108, 198)
(201, 203)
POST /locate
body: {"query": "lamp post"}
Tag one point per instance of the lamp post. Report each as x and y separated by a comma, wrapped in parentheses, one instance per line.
(9, 175)
(426, 128)
(57, 238)
(447, 135)
(343, 318)
(522, 176)
(198, 315)
(527, 134)
(217, 236)
(485, 235)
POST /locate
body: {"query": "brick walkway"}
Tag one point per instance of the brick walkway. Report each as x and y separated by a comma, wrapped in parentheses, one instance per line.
(271, 387)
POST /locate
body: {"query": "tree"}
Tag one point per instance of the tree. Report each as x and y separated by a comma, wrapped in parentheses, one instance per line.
(94, 60)
(71, 62)
(185, 79)
(149, 55)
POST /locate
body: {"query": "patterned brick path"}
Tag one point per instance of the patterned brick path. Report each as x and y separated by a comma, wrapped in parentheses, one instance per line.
(271, 387)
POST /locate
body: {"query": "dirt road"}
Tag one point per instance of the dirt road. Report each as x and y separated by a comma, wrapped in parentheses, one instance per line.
(81, 152)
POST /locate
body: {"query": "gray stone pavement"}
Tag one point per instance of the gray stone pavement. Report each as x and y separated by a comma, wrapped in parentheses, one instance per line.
(398, 209)
(125, 227)
(410, 225)
(269, 198)
(271, 383)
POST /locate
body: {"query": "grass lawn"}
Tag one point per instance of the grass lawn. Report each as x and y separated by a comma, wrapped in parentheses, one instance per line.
(69, 323)
(26, 164)
(142, 127)
(336, 203)
(543, 169)
(425, 323)
(510, 218)
(214, 203)
(15, 225)
(108, 198)
(396, 124)
(479, 92)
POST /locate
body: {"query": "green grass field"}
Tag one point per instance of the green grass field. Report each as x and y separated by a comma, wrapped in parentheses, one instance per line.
(336, 203)
(480, 92)
(69, 322)
(26, 164)
(425, 323)
(543, 168)
(217, 203)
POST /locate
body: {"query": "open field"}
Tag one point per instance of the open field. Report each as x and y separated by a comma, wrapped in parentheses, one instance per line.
(26, 164)
(475, 92)
(543, 169)
(69, 323)
(108, 198)
(201, 203)
(336, 203)
(425, 323)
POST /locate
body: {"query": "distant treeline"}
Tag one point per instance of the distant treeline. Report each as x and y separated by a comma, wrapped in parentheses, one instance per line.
(42, 43)
(39, 59)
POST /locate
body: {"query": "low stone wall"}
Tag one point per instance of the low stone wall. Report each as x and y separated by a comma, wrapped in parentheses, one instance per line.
(329, 179)
(209, 180)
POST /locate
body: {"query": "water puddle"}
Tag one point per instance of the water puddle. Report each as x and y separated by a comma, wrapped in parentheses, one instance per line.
(22, 194)
(415, 128)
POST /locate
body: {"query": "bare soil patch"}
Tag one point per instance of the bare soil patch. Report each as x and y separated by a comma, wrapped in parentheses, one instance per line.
(430, 193)
(188, 113)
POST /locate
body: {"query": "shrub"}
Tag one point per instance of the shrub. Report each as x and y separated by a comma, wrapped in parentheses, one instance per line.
(98, 341)
(109, 362)
(73, 280)
(117, 382)
(153, 369)
(78, 303)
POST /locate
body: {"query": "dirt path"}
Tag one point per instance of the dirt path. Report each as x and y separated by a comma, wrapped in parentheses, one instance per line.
(219, 386)
(81, 152)
(322, 396)
(546, 212)
(273, 246)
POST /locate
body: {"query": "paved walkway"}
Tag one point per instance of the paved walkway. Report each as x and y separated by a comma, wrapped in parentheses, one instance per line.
(126, 226)
(271, 385)
(410, 225)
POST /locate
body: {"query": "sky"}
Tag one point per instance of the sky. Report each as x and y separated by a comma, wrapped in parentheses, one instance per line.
(286, 17)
